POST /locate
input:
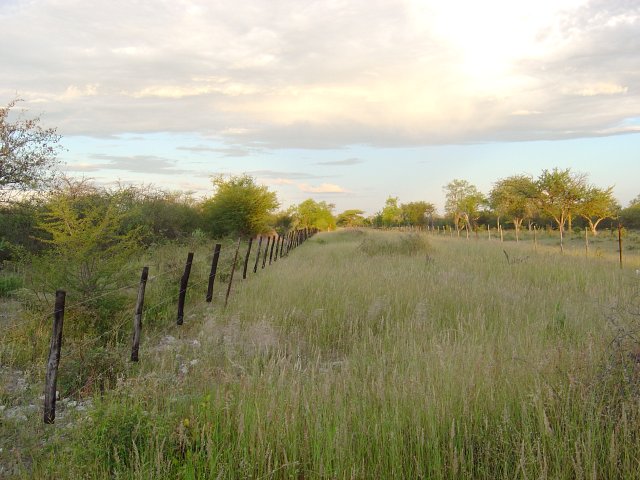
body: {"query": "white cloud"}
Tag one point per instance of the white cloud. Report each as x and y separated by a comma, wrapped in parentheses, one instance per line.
(322, 188)
(286, 73)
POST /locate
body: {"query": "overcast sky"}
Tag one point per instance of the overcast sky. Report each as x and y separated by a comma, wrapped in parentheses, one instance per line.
(346, 101)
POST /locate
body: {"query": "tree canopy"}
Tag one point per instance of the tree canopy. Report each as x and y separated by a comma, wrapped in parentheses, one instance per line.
(311, 214)
(28, 152)
(239, 207)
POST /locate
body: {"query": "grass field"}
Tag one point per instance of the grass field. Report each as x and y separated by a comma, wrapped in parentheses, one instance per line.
(379, 355)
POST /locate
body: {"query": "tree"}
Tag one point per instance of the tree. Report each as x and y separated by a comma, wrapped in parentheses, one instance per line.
(311, 214)
(391, 213)
(27, 153)
(596, 205)
(559, 195)
(351, 218)
(239, 207)
(417, 213)
(283, 221)
(463, 202)
(630, 216)
(513, 197)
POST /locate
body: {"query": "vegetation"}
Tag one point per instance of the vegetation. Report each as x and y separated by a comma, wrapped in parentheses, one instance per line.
(394, 365)
(27, 153)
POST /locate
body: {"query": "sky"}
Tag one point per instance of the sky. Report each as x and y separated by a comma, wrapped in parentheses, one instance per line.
(346, 101)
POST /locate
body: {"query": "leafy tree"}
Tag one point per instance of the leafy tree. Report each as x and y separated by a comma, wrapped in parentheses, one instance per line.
(239, 207)
(310, 214)
(463, 202)
(391, 213)
(630, 216)
(283, 221)
(514, 198)
(559, 195)
(596, 205)
(88, 252)
(351, 218)
(417, 213)
(27, 153)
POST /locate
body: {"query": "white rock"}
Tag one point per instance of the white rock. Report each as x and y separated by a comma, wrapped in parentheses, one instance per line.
(194, 362)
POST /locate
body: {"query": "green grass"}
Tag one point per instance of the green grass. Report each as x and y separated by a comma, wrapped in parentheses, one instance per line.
(438, 361)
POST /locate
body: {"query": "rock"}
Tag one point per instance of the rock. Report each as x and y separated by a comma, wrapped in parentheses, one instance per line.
(194, 362)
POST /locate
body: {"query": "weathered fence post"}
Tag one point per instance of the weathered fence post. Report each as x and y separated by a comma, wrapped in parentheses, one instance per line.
(233, 269)
(54, 359)
(620, 242)
(266, 252)
(137, 318)
(212, 273)
(275, 257)
(273, 243)
(246, 260)
(184, 281)
(255, 267)
(282, 245)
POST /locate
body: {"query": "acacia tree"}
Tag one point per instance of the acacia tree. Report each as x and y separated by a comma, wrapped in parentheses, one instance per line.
(27, 153)
(598, 204)
(559, 195)
(239, 206)
(310, 214)
(513, 197)
(464, 203)
(351, 218)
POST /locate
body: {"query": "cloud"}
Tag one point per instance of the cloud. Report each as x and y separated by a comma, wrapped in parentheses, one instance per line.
(345, 162)
(132, 164)
(290, 74)
(238, 151)
(323, 188)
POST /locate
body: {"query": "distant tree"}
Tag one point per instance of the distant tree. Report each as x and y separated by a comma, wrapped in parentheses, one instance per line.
(596, 205)
(417, 213)
(514, 197)
(351, 218)
(239, 207)
(559, 195)
(391, 213)
(27, 153)
(310, 213)
(283, 221)
(630, 216)
(464, 203)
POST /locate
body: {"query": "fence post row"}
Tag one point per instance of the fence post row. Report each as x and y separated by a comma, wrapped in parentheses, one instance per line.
(246, 259)
(184, 281)
(212, 273)
(255, 267)
(137, 318)
(54, 359)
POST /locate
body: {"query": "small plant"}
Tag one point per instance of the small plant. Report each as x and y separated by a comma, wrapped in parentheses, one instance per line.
(8, 284)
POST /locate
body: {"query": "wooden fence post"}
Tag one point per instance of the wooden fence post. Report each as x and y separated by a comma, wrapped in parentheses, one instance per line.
(137, 318)
(282, 245)
(233, 269)
(212, 272)
(184, 281)
(266, 252)
(246, 260)
(255, 267)
(586, 241)
(620, 242)
(275, 257)
(54, 359)
(273, 243)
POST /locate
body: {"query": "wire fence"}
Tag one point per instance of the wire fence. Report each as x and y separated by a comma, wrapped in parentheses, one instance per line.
(223, 270)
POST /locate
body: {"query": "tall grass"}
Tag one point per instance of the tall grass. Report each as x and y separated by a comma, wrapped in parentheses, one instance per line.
(336, 363)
